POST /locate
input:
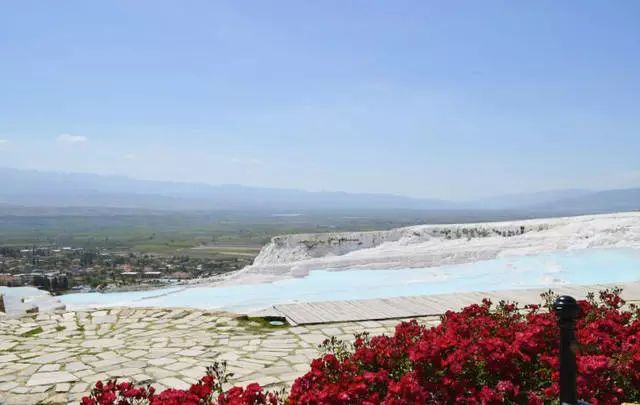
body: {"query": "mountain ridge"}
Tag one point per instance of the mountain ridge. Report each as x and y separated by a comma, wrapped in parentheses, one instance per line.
(32, 188)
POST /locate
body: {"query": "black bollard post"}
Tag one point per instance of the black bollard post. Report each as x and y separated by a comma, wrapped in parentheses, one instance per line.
(567, 310)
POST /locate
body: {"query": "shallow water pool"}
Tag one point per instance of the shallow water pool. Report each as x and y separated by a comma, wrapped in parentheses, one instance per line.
(542, 271)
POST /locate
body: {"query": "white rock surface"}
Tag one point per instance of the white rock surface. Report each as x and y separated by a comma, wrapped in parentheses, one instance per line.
(51, 378)
(434, 245)
(17, 300)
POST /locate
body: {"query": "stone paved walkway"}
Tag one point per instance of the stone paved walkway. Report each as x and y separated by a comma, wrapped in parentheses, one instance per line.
(55, 358)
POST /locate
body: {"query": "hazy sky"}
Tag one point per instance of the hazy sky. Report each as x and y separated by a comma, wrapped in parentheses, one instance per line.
(440, 99)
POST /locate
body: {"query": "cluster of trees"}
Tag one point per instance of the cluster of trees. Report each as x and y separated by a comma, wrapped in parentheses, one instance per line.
(52, 283)
(476, 232)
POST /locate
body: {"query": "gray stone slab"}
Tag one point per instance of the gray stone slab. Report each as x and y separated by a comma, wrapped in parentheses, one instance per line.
(51, 378)
(103, 343)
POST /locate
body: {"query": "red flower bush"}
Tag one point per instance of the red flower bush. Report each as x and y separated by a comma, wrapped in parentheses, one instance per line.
(483, 355)
(208, 391)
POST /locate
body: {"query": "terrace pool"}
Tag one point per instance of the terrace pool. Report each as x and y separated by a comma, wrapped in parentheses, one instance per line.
(578, 267)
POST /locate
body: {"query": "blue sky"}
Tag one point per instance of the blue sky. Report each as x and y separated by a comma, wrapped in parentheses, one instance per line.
(424, 98)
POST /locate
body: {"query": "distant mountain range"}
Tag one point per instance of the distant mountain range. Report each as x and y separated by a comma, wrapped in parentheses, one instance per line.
(47, 189)
(529, 199)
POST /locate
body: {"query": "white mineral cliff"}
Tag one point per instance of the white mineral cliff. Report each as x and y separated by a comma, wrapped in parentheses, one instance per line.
(434, 245)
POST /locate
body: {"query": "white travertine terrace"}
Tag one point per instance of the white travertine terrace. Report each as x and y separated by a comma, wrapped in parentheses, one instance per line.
(435, 245)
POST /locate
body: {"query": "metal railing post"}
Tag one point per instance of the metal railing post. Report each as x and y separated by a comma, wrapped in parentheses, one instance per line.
(567, 310)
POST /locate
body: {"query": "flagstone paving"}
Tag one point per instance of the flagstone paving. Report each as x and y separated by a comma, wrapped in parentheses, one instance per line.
(55, 358)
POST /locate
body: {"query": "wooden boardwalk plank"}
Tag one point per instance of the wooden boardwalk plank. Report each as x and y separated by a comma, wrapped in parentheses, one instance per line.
(424, 305)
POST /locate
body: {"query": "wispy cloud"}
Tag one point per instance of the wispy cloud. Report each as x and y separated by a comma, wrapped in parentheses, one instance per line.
(66, 138)
(129, 157)
(3, 143)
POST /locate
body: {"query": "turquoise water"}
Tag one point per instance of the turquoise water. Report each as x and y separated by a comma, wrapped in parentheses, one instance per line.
(542, 271)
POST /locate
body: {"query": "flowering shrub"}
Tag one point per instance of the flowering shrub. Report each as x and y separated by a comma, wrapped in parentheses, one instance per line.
(483, 355)
(208, 391)
(486, 354)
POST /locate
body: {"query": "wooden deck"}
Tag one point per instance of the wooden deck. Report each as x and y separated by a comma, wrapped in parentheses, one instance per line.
(423, 305)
